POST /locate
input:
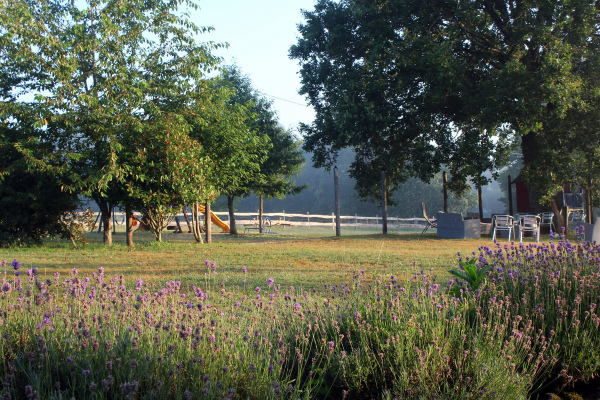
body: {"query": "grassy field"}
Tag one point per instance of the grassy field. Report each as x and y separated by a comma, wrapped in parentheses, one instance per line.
(252, 328)
(303, 257)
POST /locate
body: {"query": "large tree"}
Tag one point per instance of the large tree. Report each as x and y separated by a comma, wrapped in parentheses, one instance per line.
(396, 80)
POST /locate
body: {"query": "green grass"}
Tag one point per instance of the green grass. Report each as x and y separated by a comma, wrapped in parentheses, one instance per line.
(297, 256)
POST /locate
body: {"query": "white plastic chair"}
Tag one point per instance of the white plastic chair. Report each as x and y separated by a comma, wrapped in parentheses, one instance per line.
(503, 223)
(530, 223)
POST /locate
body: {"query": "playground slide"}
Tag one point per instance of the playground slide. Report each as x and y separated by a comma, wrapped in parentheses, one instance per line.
(216, 220)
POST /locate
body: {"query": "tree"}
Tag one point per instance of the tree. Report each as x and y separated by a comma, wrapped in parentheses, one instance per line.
(396, 79)
(99, 70)
(167, 170)
(32, 204)
(234, 150)
(284, 157)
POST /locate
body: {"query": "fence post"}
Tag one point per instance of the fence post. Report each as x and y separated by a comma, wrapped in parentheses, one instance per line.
(308, 218)
(355, 221)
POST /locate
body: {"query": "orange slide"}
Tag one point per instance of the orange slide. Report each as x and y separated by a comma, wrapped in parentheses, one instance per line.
(215, 220)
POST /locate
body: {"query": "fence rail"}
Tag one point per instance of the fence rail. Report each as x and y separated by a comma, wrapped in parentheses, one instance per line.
(307, 220)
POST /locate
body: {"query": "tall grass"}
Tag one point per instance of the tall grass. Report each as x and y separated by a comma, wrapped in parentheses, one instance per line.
(533, 321)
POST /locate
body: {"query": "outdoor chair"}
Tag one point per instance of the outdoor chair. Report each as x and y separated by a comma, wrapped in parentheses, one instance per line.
(430, 223)
(530, 223)
(547, 218)
(503, 223)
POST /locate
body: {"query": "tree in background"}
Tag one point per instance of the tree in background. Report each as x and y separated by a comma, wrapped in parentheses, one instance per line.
(318, 198)
(235, 151)
(98, 70)
(474, 154)
(395, 80)
(284, 157)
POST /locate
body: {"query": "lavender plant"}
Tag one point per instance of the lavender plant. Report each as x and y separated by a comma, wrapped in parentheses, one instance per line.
(100, 337)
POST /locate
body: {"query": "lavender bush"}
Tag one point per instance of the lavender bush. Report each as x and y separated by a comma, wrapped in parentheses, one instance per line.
(534, 321)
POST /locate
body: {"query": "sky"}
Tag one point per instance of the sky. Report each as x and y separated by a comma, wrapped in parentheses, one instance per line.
(260, 34)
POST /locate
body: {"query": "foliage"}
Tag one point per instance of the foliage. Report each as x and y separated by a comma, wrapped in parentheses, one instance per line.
(98, 70)
(283, 159)
(472, 274)
(372, 337)
(33, 204)
(399, 80)
(318, 197)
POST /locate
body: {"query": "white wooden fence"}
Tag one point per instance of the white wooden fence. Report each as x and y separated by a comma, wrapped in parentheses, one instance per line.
(306, 220)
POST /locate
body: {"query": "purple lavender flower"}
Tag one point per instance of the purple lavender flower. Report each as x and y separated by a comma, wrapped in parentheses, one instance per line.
(270, 282)
(244, 270)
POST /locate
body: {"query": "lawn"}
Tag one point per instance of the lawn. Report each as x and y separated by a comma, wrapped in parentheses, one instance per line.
(295, 256)
(299, 315)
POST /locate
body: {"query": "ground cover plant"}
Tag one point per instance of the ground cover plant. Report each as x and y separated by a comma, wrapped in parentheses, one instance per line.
(532, 322)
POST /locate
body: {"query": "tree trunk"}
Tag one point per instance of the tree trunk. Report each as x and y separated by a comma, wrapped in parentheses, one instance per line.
(529, 147)
(336, 184)
(560, 222)
(196, 224)
(383, 203)
(260, 212)
(232, 228)
(589, 210)
(105, 209)
(207, 222)
(480, 201)
(187, 220)
(129, 226)
(445, 190)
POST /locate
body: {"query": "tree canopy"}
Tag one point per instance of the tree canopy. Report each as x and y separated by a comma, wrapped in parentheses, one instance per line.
(119, 92)
(402, 82)
(283, 157)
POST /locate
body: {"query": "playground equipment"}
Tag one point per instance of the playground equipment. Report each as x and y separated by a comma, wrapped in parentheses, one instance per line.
(215, 220)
